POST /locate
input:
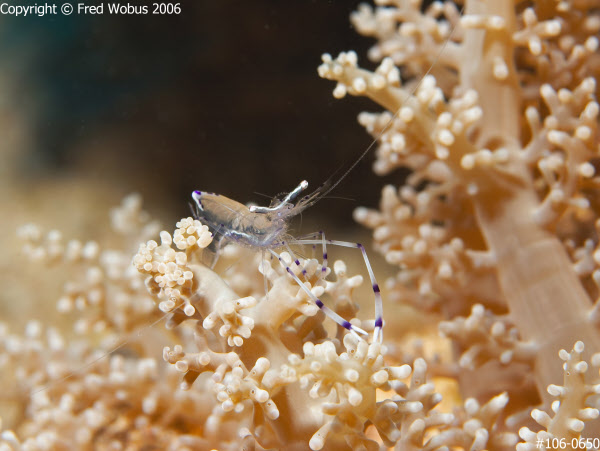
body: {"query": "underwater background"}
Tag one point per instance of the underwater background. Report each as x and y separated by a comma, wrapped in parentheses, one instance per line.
(222, 97)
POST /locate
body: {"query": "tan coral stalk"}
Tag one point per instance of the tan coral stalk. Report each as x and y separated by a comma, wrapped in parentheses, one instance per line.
(545, 296)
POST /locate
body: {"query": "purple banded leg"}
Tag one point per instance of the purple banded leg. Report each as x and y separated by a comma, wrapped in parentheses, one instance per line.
(378, 333)
(323, 244)
(295, 259)
(330, 313)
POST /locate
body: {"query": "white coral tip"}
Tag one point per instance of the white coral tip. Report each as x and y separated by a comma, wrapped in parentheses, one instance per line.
(499, 402)
(481, 439)
(308, 348)
(583, 132)
(378, 81)
(406, 114)
(500, 69)
(354, 397)
(506, 357)
(556, 390)
(546, 91)
(541, 417)
(472, 426)
(351, 375)
(468, 161)
(227, 405)
(209, 322)
(10, 437)
(445, 137)
(316, 442)
(359, 85)
(262, 365)
(555, 405)
(340, 91)
(589, 413)
(189, 310)
(587, 170)
(271, 410)
(413, 407)
(575, 425)
(380, 377)
(326, 58)
(496, 22)
(581, 367)
(165, 238)
(527, 434)
(261, 396)
(181, 366)
(204, 358)
(471, 406)
(400, 372)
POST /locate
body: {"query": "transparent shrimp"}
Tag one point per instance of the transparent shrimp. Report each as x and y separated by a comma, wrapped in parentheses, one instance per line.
(265, 228)
(254, 227)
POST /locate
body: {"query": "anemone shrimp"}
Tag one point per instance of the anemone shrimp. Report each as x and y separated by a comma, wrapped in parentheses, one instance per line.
(266, 229)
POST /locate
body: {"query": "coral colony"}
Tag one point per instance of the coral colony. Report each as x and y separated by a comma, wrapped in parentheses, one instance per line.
(494, 234)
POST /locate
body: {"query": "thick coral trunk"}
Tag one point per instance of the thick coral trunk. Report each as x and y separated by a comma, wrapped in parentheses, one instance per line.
(546, 299)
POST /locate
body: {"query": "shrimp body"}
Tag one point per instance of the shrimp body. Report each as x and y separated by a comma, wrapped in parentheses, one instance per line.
(233, 221)
(253, 227)
(266, 228)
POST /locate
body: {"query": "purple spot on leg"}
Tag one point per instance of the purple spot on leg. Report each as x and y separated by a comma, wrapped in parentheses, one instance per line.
(346, 325)
(319, 303)
(289, 270)
(325, 256)
(379, 323)
(298, 262)
(360, 246)
(376, 288)
(304, 272)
